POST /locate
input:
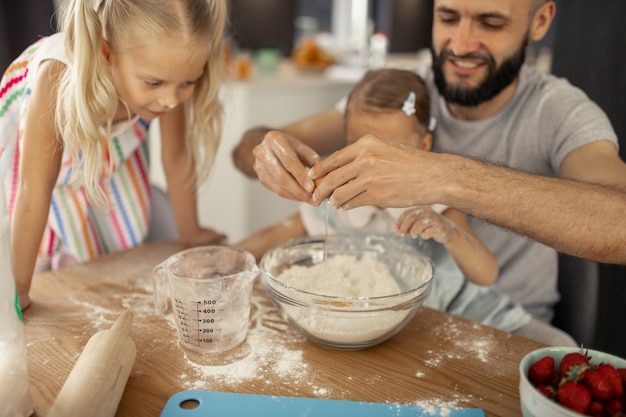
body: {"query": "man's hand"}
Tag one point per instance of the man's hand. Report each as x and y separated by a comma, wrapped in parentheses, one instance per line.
(374, 172)
(281, 163)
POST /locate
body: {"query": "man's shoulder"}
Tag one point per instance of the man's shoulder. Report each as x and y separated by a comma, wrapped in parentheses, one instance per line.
(537, 82)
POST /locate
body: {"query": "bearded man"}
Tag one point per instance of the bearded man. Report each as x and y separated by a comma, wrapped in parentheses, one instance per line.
(515, 149)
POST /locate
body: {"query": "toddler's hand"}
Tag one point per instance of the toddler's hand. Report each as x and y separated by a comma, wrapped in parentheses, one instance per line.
(425, 223)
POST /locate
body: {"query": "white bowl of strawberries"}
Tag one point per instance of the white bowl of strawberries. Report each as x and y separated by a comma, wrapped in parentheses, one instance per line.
(570, 382)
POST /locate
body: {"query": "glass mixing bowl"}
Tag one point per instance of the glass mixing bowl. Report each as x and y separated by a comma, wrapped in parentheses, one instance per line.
(350, 292)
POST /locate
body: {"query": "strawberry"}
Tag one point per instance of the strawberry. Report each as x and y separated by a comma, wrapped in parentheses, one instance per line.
(572, 359)
(547, 390)
(542, 371)
(622, 374)
(615, 406)
(574, 396)
(614, 378)
(599, 385)
(596, 409)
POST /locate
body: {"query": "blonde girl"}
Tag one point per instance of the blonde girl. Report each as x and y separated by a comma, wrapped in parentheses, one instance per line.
(75, 112)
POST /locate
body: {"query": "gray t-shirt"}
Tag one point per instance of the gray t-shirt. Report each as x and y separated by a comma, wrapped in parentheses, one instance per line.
(546, 119)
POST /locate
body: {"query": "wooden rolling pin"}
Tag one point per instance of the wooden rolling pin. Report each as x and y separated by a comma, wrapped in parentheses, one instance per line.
(97, 381)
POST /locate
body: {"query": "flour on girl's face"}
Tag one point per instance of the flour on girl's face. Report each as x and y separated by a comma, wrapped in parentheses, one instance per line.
(343, 276)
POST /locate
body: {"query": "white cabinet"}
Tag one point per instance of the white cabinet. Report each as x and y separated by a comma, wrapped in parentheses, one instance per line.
(229, 201)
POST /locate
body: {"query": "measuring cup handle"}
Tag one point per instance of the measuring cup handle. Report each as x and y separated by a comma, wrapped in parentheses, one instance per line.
(254, 272)
(161, 290)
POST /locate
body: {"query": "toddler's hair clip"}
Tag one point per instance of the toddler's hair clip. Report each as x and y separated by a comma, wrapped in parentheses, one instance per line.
(408, 107)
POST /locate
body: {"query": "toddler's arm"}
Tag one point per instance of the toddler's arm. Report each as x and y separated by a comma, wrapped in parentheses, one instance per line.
(453, 231)
(259, 242)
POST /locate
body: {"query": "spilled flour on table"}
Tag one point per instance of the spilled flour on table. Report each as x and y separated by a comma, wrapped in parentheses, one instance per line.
(266, 355)
(136, 296)
(483, 348)
(443, 408)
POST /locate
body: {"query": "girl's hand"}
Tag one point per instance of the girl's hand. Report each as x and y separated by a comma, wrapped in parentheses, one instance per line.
(202, 237)
(425, 223)
(24, 300)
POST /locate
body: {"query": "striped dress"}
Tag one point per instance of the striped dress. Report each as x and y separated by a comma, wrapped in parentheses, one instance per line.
(74, 226)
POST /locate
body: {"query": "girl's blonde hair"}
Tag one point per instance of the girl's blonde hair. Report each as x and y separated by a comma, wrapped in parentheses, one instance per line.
(87, 98)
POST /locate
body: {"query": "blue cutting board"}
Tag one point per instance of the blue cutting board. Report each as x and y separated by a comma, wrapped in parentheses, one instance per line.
(228, 404)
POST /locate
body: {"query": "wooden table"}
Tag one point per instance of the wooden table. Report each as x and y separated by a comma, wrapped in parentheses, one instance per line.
(437, 360)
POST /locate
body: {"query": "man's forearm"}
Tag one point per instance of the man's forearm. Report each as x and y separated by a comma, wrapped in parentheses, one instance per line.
(581, 219)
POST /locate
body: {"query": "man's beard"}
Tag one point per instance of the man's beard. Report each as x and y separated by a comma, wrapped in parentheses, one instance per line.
(498, 78)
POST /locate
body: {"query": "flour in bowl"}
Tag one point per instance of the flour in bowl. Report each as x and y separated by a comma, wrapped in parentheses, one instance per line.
(347, 323)
(343, 276)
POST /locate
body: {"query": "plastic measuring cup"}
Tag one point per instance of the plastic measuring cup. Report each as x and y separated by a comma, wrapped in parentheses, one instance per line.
(209, 289)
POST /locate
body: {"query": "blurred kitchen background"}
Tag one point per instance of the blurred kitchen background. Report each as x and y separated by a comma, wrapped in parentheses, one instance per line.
(277, 76)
